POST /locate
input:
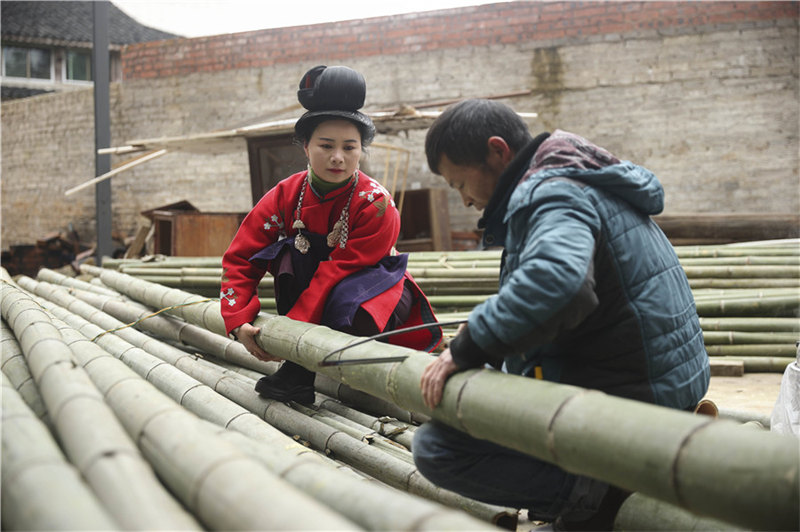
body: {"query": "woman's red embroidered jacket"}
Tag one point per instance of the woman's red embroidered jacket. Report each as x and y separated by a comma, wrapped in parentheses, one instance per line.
(374, 226)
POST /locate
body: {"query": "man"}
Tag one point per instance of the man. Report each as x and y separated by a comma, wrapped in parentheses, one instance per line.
(591, 294)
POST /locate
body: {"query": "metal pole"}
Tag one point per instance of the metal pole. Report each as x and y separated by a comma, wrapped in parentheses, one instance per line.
(102, 128)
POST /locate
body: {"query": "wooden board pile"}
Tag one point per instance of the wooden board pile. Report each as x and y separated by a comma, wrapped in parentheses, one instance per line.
(125, 406)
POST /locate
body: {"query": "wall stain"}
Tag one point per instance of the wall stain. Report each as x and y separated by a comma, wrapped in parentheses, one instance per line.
(547, 84)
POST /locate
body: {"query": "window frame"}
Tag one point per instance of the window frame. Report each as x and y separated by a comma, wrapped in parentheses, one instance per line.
(65, 67)
(28, 78)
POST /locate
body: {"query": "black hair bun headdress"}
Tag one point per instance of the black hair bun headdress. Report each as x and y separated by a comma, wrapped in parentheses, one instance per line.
(333, 92)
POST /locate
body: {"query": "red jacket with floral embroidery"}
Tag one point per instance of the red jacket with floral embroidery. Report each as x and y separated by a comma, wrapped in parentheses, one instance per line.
(374, 226)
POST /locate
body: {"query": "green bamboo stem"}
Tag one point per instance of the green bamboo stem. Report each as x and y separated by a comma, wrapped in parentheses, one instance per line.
(735, 251)
(199, 467)
(751, 324)
(741, 272)
(17, 374)
(377, 406)
(283, 456)
(41, 489)
(780, 306)
(744, 283)
(747, 260)
(739, 337)
(54, 277)
(744, 416)
(376, 507)
(402, 433)
(761, 364)
(670, 455)
(755, 350)
(639, 512)
(358, 432)
(90, 434)
(742, 293)
(359, 454)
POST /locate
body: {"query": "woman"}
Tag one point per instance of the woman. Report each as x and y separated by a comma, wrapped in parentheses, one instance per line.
(326, 235)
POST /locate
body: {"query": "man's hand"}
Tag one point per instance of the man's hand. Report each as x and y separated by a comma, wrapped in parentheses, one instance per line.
(246, 334)
(434, 377)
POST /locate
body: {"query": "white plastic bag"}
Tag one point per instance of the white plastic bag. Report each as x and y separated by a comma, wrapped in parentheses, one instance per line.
(786, 414)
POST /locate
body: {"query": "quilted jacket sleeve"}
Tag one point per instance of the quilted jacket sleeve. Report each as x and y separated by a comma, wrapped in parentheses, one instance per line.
(547, 284)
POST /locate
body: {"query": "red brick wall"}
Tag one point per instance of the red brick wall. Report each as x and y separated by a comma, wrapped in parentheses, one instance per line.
(504, 23)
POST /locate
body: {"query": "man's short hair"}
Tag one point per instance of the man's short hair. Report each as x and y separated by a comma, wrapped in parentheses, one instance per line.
(462, 132)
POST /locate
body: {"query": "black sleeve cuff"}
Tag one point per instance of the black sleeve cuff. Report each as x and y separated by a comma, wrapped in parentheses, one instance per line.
(466, 353)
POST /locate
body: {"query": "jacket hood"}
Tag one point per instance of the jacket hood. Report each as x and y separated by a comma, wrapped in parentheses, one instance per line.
(634, 184)
(568, 155)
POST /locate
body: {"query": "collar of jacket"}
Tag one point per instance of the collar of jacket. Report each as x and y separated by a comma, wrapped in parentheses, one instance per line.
(494, 230)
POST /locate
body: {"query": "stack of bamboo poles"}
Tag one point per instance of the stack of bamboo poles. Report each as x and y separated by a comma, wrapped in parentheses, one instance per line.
(178, 399)
(747, 295)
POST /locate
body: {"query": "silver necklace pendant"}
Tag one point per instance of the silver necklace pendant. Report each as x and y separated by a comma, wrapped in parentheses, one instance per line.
(335, 236)
(301, 243)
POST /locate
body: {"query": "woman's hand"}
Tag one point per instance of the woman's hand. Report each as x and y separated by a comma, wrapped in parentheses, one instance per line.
(246, 334)
(434, 377)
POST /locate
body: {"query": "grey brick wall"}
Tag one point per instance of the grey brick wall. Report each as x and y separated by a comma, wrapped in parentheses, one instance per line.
(712, 110)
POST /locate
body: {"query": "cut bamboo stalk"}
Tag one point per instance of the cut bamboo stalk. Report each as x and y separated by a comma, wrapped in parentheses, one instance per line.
(666, 454)
(744, 283)
(358, 432)
(760, 364)
(745, 416)
(54, 277)
(222, 486)
(90, 434)
(639, 512)
(739, 337)
(41, 489)
(751, 324)
(402, 433)
(741, 272)
(359, 454)
(18, 375)
(781, 306)
(755, 350)
(375, 506)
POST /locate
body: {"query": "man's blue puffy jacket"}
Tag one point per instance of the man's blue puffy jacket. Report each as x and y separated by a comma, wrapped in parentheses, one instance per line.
(590, 289)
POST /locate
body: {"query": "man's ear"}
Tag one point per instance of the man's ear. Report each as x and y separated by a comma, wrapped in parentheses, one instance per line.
(500, 154)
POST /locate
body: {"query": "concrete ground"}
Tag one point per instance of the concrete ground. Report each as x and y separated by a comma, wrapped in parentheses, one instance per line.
(752, 392)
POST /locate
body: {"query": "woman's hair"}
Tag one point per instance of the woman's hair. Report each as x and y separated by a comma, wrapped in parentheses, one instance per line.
(462, 132)
(305, 129)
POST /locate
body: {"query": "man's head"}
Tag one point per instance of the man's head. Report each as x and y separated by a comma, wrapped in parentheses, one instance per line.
(471, 143)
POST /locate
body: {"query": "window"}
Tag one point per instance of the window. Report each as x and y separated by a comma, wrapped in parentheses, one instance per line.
(34, 63)
(79, 65)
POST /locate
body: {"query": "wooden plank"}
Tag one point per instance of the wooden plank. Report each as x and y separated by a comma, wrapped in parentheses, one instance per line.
(726, 368)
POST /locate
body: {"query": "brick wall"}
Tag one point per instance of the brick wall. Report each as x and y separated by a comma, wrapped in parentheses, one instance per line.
(703, 93)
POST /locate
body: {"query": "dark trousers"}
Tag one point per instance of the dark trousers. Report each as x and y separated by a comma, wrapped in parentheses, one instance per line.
(488, 472)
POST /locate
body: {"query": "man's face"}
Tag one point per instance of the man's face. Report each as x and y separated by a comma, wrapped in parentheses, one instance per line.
(475, 183)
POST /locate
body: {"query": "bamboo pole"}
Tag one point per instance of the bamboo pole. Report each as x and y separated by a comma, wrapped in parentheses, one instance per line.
(666, 454)
(41, 489)
(751, 324)
(756, 350)
(639, 512)
(761, 364)
(221, 485)
(780, 306)
(740, 337)
(234, 352)
(362, 455)
(18, 375)
(90, 434)
(54, 277)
